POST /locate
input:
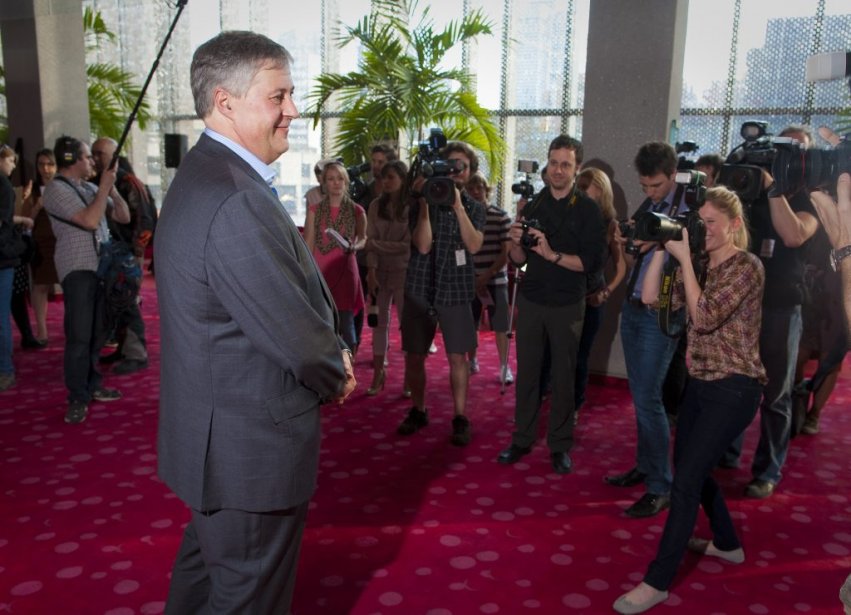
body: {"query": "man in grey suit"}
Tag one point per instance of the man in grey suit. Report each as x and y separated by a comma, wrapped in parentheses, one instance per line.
(249, 342)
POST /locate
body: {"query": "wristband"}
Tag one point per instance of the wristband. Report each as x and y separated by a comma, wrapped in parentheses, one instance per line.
(556, 259)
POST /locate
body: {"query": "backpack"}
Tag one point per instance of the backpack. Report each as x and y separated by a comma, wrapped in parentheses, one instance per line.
(120, 276)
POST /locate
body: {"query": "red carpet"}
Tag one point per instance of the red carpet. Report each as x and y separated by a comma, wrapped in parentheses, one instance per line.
(402, 525)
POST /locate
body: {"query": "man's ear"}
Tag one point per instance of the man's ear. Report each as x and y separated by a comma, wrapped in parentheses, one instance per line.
(222, 102)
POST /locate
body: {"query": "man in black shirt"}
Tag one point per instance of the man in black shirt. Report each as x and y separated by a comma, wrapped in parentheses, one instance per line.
(569, 241)
(779, 225)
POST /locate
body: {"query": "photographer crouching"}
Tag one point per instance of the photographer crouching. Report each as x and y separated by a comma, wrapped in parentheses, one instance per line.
(561, 237)
(724, 388)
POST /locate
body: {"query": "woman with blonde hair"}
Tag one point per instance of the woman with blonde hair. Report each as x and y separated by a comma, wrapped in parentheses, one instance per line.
(596, 185)
(338, 216)
(723, 392)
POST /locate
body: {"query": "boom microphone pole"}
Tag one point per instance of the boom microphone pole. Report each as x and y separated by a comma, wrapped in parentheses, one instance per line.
(181, 4)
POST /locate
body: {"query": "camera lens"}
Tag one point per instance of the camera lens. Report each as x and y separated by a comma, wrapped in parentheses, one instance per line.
(439, 191)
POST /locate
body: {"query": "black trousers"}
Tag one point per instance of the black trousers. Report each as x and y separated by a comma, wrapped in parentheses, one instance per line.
(540, 327)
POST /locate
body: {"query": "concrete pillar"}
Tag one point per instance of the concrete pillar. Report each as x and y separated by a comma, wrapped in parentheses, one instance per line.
(45, 62)
(633, 85)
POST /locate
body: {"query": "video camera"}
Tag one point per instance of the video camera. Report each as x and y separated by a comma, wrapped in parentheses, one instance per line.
(796, 167)
(439, 188)
(657, 227)
(792, 166)
(742, 171)
(524, 187)
(357, 187)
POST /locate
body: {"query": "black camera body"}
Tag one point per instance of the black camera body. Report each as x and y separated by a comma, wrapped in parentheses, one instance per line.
(357, 187)
(528, 240)
(524, 188)
(439, 187)
(796, 167)
(657, 227)
(652, 226)
(742, 171)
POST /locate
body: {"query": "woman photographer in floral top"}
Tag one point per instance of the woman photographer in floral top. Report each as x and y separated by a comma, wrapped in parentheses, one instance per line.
(725, 384)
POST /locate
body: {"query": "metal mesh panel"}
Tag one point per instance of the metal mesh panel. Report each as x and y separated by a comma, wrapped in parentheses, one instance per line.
(766, 63)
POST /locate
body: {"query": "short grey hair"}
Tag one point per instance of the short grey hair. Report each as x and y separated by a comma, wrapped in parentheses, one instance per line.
(230, 60)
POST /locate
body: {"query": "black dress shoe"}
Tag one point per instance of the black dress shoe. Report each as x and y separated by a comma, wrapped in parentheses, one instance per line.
(561, 462)
(630, 478)
(513, 454)
(31, 343)
(648, 505)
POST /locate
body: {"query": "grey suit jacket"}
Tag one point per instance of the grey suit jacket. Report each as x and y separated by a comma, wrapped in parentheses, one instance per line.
(249, 343)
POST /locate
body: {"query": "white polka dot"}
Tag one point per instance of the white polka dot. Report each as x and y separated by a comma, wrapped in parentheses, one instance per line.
(532, 604)
(390, 599)
(835, 549)
(462, 562)
(66, 547)
(523, 583)
(597, 585)
(450, 541)
(487, 556)
(422, 572)
(27, 588)
(126, 587)
(759, 609)
(333, 581)
(503, 516)
(560, 559)
(576, 601)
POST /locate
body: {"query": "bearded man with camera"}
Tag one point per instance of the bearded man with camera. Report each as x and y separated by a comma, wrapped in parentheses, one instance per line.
(446, 230)
(560, 238)
(780, 224)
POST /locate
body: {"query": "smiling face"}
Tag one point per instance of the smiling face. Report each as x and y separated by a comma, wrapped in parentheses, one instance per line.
(261, 119)
(561, 168)
(720, 228)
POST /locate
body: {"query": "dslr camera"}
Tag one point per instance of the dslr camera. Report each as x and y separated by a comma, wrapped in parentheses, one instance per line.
(439, 188)
(657, 227)
(685, 152)
(524, 187)
(528, 240)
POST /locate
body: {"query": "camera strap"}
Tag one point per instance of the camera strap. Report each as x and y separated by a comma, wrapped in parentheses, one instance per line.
(672, 324)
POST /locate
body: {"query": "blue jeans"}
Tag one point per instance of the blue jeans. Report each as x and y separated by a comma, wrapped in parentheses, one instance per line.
(647, 352)
(713, 413)
(6, 277)
(593, 320)
(778, 350)
(84, 334)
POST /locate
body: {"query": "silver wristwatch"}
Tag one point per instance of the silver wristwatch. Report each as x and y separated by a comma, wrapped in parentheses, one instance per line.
(837, 256)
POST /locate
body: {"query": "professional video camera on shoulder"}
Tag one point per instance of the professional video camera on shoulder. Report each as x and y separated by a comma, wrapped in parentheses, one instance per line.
(796, 167)
(439, 188)
(742, 171)
(657, 227)
(357, 187)
(524, 188)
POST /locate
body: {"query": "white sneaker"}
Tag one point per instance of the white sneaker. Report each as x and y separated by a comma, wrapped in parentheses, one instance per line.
(505, 374)
(474, 366)
(433, 348)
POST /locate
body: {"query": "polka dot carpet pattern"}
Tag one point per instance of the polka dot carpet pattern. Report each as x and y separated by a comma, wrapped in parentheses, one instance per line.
(407, 525)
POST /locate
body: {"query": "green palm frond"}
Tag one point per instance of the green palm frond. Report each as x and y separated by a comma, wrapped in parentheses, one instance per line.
(113, 92)
(401, 87)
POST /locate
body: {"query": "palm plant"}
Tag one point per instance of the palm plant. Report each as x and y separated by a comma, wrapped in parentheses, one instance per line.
(112, 90)
(400, 89)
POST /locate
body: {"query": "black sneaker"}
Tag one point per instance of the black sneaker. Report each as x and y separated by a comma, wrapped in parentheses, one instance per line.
(77, 412)
(416, 420)
(461, 431)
